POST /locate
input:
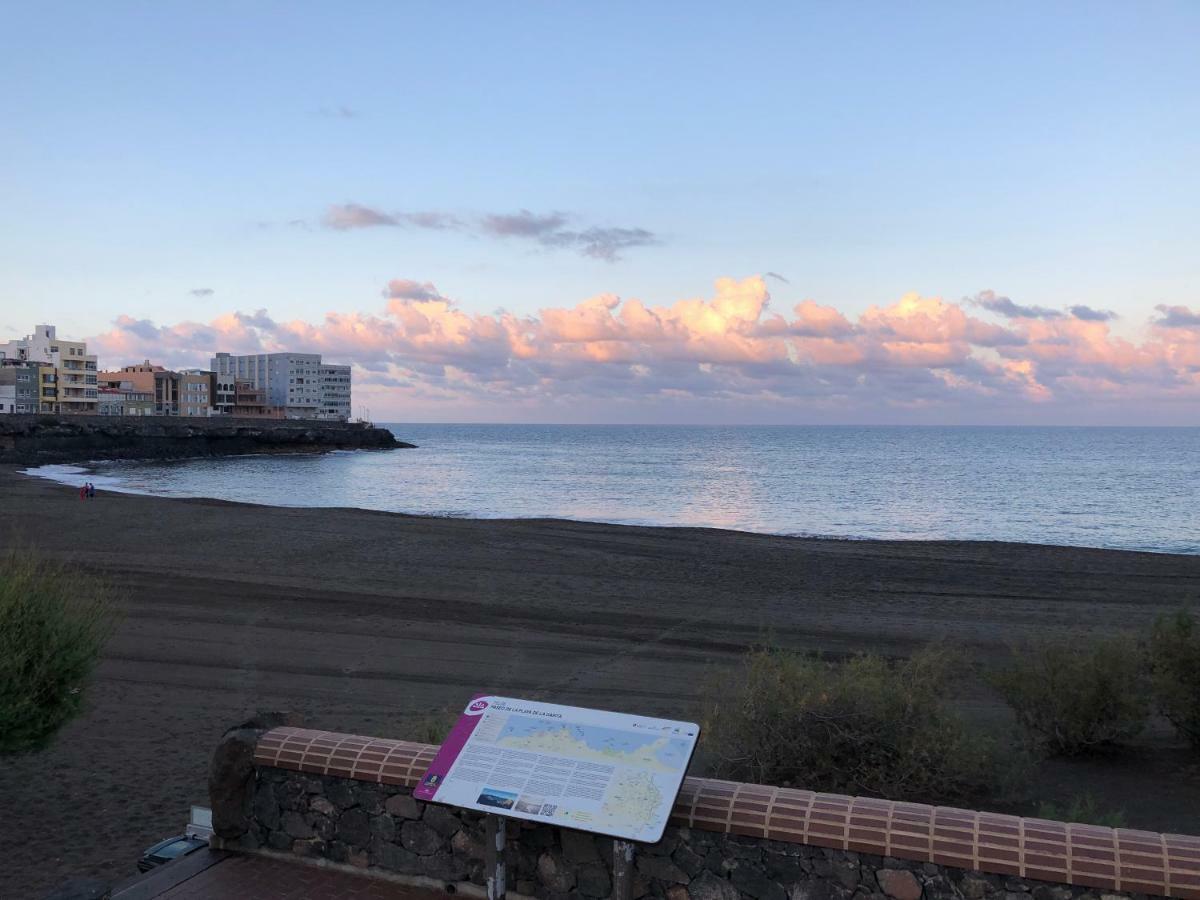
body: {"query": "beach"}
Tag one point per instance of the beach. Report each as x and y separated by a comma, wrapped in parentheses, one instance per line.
(370, 622)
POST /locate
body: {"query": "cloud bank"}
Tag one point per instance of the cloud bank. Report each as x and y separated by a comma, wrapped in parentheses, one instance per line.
(729, 356)
(550, 230)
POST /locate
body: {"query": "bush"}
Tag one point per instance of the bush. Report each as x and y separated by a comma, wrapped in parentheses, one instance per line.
(1175, 672)
(433, 726)
(857, 726)
(1075, 694)
(53, 622)
(1083, 809)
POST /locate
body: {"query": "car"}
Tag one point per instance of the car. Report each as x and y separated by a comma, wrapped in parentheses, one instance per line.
(165, 851)
(194, 837)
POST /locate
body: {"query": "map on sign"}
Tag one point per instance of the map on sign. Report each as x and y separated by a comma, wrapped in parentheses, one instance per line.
(607, 772)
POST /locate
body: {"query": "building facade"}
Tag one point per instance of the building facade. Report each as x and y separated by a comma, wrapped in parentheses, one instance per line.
(149, 378)
(300, 383)
(196, 392)
(125, 401)
(335, 392)
(20, 386)
(8, 391)
(224, 394)
(67, 374)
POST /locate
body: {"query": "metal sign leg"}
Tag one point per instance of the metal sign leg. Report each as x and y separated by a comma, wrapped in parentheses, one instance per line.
(622, 870)
(494, 856)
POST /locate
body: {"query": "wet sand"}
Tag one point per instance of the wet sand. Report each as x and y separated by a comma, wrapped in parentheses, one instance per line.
(368, 621)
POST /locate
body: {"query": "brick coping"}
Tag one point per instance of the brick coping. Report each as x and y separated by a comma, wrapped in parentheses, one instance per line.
(1119, 859)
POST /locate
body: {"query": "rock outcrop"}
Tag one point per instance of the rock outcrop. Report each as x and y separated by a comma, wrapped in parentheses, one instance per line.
(41, 439)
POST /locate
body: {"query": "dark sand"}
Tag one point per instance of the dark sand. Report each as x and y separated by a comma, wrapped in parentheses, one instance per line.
(368, 621)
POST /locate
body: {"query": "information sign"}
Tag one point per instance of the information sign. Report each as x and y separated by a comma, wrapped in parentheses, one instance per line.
(606, 772)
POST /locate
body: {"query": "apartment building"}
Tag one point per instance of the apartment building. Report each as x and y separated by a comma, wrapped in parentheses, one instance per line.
(251, 403)
(224, 394)
(8, 391)
(300, 383)
(149, 378)
(240, 398)
(19, 386)
(125, 401)
(66, 378)
(335, 392)
(197, 391)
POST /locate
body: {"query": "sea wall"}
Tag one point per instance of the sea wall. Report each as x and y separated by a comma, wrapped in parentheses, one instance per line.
(38, 439)
(347, 800)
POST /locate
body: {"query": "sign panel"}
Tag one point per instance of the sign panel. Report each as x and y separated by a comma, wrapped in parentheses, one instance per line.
(606, 772)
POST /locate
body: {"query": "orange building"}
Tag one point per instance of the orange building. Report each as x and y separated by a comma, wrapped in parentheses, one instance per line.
(152, 379)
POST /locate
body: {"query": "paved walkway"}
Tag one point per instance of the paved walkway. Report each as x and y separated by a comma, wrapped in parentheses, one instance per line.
(263, 878)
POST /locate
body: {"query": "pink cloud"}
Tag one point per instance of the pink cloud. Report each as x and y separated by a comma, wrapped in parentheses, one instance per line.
(729, 350)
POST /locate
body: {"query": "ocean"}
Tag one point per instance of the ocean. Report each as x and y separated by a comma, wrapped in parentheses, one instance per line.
(1128, 488)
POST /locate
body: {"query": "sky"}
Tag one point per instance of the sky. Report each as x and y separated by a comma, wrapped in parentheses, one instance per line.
(883, 213)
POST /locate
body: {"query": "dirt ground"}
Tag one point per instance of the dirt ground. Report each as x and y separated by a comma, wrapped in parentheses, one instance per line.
(368, 622)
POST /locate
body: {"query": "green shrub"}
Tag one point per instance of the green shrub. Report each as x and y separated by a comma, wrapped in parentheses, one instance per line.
(432, 727)
(1083, 809)
(53, 622)
(1075, 693)
(1175, 672)
(862, 725)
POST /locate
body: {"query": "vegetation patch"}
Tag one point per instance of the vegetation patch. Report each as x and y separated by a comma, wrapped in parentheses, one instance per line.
(54, 620)
(1083, 809)
(862, 725)
(1074, 694)
(1174, 653)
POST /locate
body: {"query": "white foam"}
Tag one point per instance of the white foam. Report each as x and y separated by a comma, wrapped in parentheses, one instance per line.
(75, 476)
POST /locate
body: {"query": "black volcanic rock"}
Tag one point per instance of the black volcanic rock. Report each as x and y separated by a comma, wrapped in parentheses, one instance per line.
(40, 439)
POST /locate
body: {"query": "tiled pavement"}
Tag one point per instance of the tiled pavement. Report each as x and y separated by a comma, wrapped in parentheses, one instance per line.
(253, 877)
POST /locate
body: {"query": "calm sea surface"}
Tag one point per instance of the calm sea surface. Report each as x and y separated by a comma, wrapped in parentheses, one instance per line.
(1135, 488)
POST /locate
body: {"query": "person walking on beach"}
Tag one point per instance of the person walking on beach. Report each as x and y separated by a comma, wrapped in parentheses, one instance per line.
(91, 488)
(83, 492)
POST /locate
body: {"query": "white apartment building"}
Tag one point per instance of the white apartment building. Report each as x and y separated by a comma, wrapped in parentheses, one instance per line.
(67, 374)
(305, 387)
(335, 392)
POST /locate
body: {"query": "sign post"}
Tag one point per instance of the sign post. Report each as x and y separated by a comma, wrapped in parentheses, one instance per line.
(604, 772)
(493, 856)
(622, 880)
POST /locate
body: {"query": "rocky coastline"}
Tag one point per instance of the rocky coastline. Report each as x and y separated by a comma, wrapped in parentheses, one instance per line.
(42, 439)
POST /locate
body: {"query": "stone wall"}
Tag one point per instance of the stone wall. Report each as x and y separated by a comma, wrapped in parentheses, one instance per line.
(348, 799)
(374, 825)
(38, 439)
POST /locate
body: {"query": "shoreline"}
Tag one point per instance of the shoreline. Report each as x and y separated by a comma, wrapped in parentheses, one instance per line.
(91, 466)
(367, 622)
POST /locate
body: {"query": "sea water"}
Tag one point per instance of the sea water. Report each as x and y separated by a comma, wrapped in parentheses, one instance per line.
(1132, 488)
